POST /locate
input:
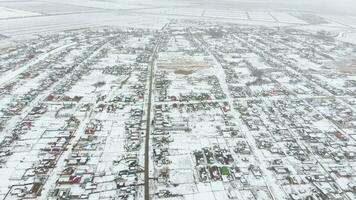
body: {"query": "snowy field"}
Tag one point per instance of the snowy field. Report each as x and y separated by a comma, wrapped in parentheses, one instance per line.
(12, 13)
(56, 15)
(46, 7)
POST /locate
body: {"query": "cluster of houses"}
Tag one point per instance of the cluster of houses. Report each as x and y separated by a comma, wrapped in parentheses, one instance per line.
(39, 172)
(55, 140)
(24, 52)
(79, 178)
(275, 123)
(161, 139)
(214, 164)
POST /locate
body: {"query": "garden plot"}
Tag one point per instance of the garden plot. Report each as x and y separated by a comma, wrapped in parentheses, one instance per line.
(182, 85)
(339, 82)
(177, 44)
(89, 84)
(114, 150)
(304, 89)
(300, 191)
(257, 63)
(258, 193)
(200, 123)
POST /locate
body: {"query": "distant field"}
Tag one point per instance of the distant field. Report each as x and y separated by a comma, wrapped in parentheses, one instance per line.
(11, 13)
(17, 16)
(46, 7)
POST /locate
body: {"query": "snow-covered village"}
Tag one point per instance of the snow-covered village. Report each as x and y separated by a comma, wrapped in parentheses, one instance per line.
(178, 102)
